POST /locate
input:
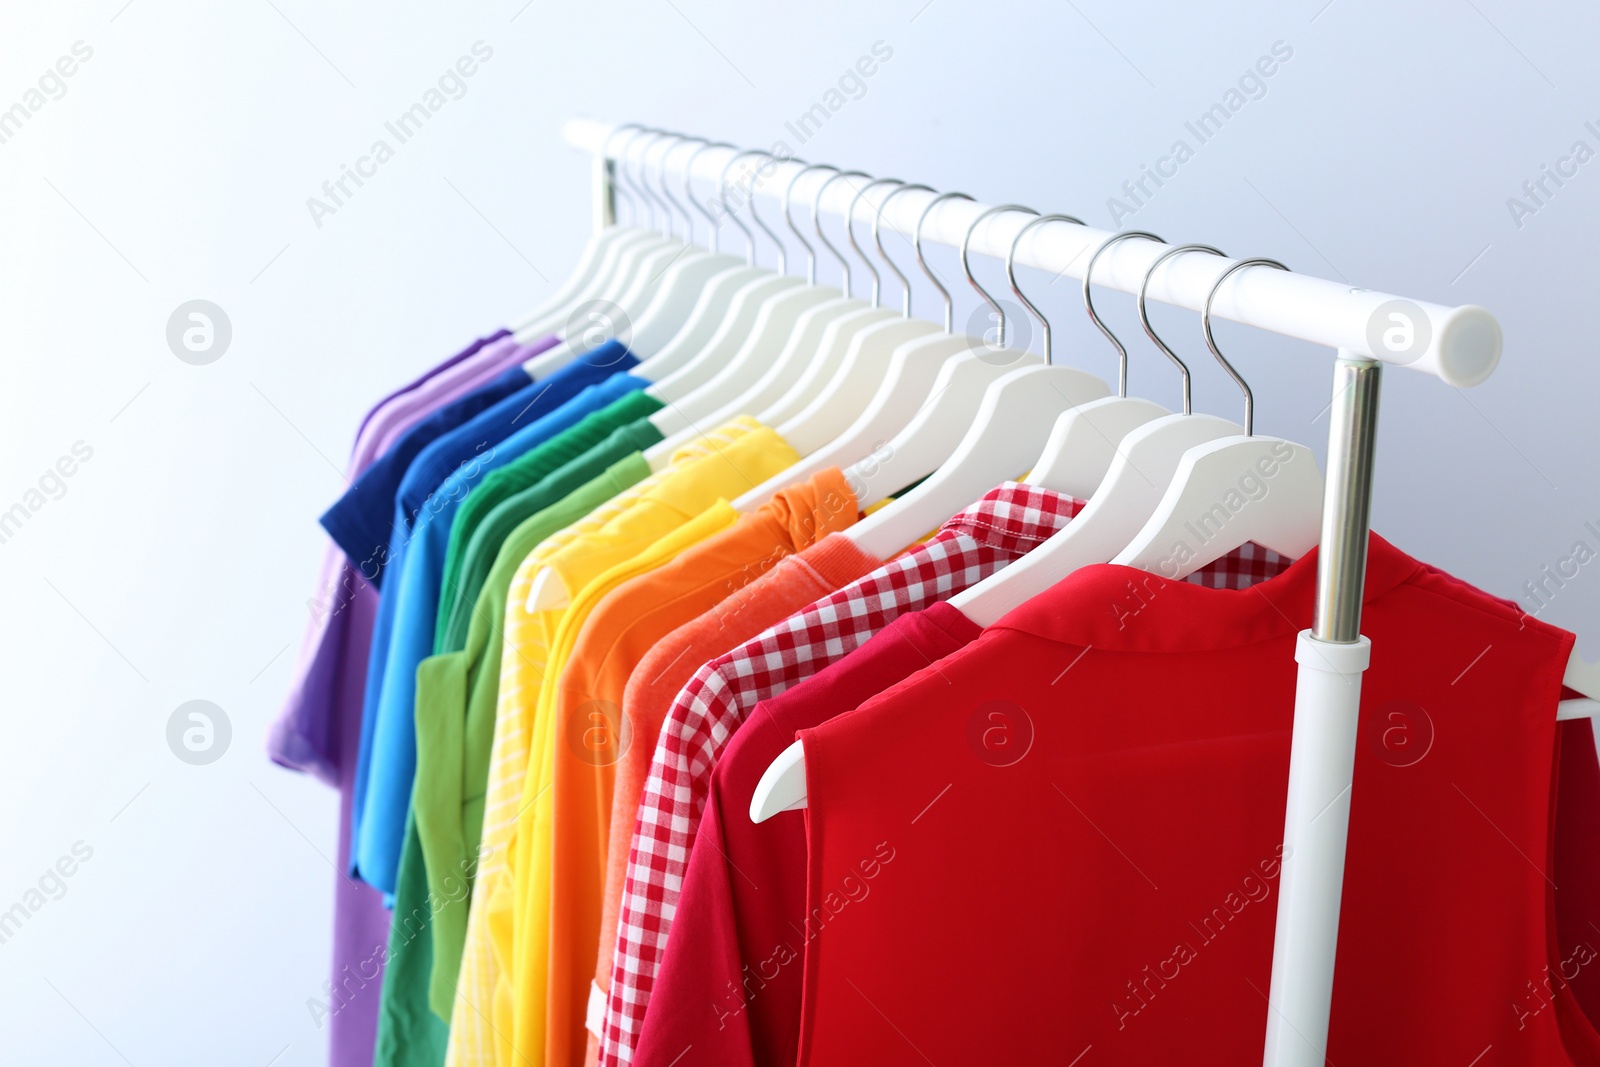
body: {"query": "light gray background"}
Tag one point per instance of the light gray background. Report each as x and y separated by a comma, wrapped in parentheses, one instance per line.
(177, 165)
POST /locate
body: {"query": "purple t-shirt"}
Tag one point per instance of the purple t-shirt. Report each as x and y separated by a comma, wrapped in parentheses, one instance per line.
(319, 731)
(303, 736)
(382, 406)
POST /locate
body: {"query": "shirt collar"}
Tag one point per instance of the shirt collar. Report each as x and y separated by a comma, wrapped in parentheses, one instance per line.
(725, 466)
(1014, 517)
(1108, 606)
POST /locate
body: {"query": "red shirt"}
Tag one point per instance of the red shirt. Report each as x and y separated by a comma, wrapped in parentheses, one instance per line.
(1577, 871)
(729, 989)
(731, 997)
(1067, 836)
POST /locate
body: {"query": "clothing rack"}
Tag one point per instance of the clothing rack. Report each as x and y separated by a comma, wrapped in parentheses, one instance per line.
(1461, 345)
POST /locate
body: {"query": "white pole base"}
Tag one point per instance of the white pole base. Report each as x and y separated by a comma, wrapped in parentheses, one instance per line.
(1321, 766)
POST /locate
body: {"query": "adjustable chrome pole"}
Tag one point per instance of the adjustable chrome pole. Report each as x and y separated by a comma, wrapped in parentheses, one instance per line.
(1347, 505)
(1332, 656)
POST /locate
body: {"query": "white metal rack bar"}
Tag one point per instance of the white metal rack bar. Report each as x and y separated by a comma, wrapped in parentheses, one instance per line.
(1458, 344)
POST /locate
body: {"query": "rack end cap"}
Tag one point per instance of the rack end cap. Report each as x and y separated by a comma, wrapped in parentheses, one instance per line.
(1469, 346)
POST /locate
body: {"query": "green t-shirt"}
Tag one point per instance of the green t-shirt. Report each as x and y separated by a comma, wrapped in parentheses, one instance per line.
(528, 470)
(408, 1037)
(457, 695)
(493, 531)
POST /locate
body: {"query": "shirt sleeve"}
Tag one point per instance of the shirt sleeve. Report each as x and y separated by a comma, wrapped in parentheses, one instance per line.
(359, 521)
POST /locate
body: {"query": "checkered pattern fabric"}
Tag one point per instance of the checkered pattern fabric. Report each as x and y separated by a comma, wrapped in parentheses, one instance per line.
(1000, 528)
(997, 530)
(1240, 569)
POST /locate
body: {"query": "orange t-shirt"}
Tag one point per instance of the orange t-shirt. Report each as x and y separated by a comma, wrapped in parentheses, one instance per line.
(795, 583)
(617, 635)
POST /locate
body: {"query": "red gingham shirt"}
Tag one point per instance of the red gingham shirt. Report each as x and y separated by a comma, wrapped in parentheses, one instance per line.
(999, 529)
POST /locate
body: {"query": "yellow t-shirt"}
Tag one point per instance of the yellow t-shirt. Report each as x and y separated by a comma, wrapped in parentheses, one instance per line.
(592, 731)
(519, 913)
(694, 497)
(524, 656)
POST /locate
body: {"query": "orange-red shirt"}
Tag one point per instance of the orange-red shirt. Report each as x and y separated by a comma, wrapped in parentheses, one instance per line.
(595, 734)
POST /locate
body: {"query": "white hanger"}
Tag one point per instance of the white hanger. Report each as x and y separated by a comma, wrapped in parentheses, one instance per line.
(725, 295)
(774, 320)
(594, 272)
(1146, 463)
(1581, 677)
(911, 362)
(783, 785)
(787, 332)
(1211, 507)
(594, 321)
(816, 349)
(681, 289)
(658, 298)
(834, 372)
(888, 376)
(766, 307)
(768, 332)
(960, 382)
(817, 342)
(587, 271)
(782, 376)
(1085, 439)
(925, 441)
(597, 265)
(1012, 422)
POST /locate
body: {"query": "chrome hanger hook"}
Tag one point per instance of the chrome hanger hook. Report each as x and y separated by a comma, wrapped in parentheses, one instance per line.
(1211, 342)
(877, 239)
(648, 136)
(1094, 316)
(688, 219)
(617, 171)
(916, 244)
(1144, 314)
(1011, 273)
(733, 212)
(688, 190)
(850, 232)
(816, 222)
(642, 203)
(755, 216)
(666, 143)
(811, 253)
(966, 265)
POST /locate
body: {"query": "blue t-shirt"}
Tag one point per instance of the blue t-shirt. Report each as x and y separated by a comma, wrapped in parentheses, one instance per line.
(380, 831)
(430, 468)
(358, 521)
